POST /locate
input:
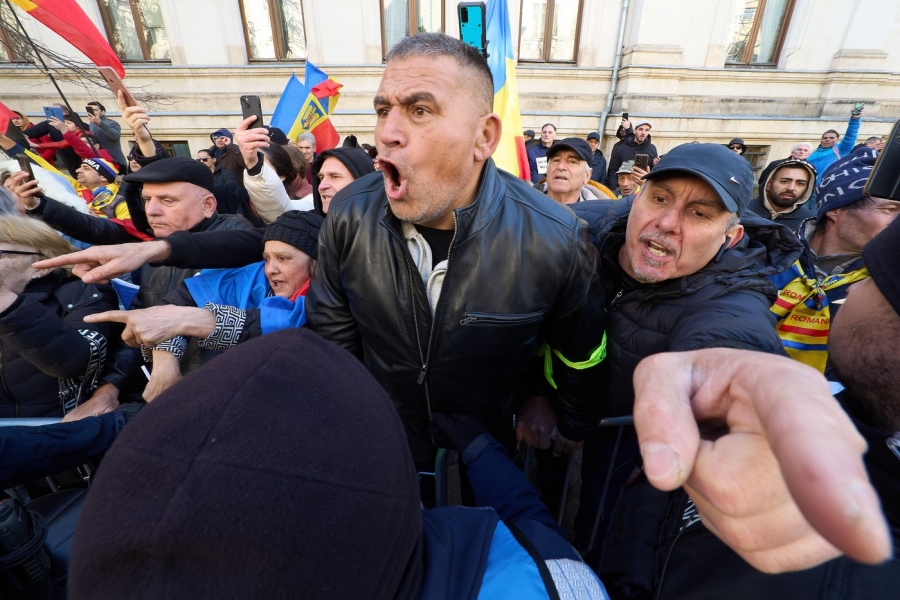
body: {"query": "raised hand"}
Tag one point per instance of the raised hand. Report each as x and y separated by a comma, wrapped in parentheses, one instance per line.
(250, 141)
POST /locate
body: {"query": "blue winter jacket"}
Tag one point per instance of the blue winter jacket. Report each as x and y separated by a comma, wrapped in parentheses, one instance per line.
(534, 152)
(822, 158)
(514, 549)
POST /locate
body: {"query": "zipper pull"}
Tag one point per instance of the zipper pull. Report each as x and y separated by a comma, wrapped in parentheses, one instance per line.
(614, 300)
(468, 320)
(422, 374)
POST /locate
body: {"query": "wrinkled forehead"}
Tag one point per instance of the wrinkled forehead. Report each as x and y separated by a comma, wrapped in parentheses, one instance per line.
(177, 190)
(687, 187)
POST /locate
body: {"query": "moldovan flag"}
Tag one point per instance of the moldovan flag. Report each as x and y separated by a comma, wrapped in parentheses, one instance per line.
(67, 19)
(510, 154)
(298, 111)
(326, 90)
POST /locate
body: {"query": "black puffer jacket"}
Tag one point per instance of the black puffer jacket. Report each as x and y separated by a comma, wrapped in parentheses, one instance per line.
(724, 304)
(44, 342)
(521, 272)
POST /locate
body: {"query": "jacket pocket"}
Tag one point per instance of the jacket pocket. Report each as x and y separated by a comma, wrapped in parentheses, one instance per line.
(479, 318)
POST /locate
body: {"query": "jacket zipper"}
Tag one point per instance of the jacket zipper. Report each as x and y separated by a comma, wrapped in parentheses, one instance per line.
(501, 319)
(437, 309)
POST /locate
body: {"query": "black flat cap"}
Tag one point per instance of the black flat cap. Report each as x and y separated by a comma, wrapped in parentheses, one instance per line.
(168, 170)
(576, 145)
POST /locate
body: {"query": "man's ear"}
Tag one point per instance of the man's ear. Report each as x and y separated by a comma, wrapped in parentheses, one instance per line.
(209, 205)
(736, 234)
(489, 130)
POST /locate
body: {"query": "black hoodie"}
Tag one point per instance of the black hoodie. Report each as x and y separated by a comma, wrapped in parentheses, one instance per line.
(356, 160)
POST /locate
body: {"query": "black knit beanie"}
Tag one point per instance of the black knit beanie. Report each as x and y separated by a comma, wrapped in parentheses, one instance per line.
(298, 228)
(882, 257)
(357, 161)
(278, 470)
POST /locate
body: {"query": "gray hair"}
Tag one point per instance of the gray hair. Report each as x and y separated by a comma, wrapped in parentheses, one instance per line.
(7, 202)
(733, 222)
(307, 137)
(807, 144)
(438, 44)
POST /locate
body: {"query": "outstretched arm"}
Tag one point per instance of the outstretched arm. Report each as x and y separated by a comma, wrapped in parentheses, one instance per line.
(775, 467)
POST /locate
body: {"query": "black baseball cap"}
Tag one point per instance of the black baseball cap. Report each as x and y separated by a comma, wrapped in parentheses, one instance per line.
(576, 145)
(593, 136)
(179, 168)
(529, 132)
(729, 174)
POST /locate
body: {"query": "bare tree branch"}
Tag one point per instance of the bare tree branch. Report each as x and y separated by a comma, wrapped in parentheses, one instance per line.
(73, 71)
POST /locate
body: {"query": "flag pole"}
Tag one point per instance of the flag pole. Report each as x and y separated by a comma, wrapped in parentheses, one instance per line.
(39, 57)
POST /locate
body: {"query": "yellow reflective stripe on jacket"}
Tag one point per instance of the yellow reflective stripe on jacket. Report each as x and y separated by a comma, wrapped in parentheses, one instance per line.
(593, 360)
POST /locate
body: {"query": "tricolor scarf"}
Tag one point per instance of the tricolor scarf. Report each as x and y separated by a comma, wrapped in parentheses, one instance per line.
(804, 316)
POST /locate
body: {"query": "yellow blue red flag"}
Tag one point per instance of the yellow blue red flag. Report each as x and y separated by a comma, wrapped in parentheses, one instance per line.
(510, 154)
(326, 89)
(299, 110)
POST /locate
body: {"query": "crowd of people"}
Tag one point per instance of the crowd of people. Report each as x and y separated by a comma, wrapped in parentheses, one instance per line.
(374, 304)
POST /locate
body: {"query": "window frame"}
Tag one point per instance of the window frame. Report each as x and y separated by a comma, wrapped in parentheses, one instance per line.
(754, 33)
(141, 35)
(277, 33)
(13, 56)
(412, 12)
(548, 36)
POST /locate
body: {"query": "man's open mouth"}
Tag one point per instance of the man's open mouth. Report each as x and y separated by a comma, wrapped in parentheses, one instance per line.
(394, 182)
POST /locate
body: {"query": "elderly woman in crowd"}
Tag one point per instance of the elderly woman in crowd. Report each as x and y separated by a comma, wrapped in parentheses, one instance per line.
(224, 307)
(50, 359)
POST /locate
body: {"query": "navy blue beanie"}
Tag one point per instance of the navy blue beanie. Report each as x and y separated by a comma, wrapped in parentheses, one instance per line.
(220, 133)
(842, 183)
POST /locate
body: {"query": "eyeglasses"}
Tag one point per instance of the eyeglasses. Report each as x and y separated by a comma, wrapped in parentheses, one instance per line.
(2, 252)
(734, 147)
(203, 159)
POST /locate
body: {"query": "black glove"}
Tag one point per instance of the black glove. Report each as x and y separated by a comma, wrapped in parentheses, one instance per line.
(456, 430)
(129, 410)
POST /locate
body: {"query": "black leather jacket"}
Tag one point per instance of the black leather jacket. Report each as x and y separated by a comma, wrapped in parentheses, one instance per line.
(521, 272)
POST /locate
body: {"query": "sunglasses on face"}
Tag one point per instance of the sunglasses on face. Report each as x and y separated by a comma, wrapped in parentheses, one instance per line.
(203, 159)
(2, 252)
(734, 147)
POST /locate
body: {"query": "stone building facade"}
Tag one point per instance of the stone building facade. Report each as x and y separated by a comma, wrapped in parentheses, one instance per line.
(773, 72)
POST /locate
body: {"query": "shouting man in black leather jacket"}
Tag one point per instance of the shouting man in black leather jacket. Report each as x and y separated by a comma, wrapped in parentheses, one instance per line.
(448, 276)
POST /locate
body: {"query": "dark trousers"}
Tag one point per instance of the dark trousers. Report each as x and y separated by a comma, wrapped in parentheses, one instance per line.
(598, 451)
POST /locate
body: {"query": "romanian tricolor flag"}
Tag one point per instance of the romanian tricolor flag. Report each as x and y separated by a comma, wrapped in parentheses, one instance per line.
(510, 154)
(298, 110)
(326, 90)
(67, 19)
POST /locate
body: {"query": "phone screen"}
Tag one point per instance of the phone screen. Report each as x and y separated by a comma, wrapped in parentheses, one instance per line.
(884, 180)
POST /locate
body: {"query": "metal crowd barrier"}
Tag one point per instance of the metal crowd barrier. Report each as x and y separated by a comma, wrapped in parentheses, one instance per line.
(440, 474)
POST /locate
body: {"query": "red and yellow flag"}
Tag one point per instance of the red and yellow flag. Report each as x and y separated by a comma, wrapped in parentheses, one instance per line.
(299, 110)
(67, 19)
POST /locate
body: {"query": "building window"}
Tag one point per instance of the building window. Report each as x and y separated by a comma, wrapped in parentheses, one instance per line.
(176, 148)
(400, 18)
(135, 29)
(550, 30)
(274, 29)
(12, 45)
(757, 157)
(757, 32)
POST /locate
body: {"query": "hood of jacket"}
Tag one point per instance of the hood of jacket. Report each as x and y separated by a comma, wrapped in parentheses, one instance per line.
(763, 197)
(767, 248)
(357, 161)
